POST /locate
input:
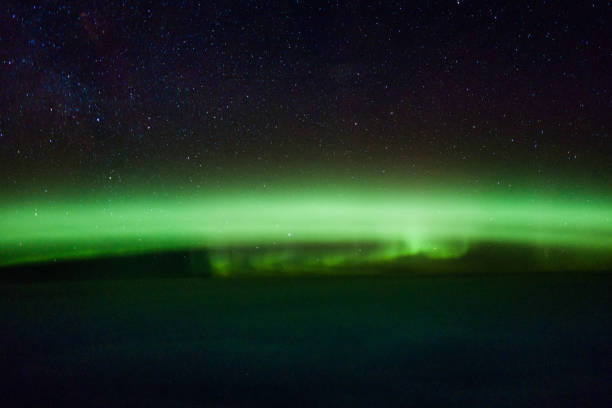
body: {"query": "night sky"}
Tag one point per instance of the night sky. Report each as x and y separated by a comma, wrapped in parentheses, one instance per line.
(128, 99)
(106, 92)
(294, 203)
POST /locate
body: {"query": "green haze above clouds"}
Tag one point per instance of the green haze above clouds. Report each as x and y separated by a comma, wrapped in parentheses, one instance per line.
(296, 227)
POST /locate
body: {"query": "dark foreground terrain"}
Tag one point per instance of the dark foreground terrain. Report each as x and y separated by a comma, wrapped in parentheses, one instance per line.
(505, 340)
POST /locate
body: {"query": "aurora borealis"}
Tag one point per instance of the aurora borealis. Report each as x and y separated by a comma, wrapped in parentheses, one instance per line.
(274, 231)
(286, 138)
(300, 203)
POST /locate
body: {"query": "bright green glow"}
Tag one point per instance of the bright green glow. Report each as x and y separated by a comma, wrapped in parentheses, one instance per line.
(273, 230)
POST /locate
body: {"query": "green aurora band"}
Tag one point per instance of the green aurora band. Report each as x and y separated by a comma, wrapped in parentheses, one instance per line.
(306, 229)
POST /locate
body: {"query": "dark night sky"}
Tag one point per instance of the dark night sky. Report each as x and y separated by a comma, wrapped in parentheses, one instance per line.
(102, 92)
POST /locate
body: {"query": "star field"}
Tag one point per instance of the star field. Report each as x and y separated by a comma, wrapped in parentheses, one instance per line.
(197, 92)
